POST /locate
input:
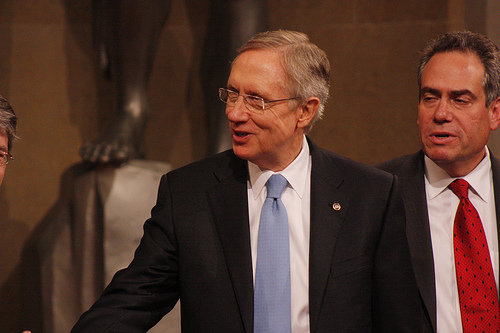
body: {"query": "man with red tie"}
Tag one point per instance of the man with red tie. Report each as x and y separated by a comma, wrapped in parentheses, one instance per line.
(451, 188)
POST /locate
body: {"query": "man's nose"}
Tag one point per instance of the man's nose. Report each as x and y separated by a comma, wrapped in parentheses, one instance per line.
(443, 112)
(238, 112)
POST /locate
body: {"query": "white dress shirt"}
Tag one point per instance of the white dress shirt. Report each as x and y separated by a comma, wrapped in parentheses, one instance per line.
(442, 205)
(296, 199)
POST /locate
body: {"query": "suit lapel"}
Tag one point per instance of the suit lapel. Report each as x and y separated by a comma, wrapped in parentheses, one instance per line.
(228, 201)
(418, 231)
(326, 223)
(495, 167)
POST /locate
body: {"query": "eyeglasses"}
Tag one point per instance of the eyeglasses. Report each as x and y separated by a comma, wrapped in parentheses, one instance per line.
(252, 103)
(5, 158)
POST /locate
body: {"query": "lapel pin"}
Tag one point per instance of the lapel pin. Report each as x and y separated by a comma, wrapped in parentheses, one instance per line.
(336, 206)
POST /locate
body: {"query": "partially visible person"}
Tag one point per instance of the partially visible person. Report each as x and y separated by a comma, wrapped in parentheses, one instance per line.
(451, 188)
(8, 123)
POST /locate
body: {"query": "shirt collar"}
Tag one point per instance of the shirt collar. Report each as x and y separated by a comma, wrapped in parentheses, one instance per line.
(478, 179)
(294, 173)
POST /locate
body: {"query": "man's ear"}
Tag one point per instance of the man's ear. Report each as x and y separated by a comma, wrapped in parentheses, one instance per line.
(494, 110)
(308, 111)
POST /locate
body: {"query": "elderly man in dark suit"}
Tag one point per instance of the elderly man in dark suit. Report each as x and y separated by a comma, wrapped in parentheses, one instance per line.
(459, 105)
(326, 252)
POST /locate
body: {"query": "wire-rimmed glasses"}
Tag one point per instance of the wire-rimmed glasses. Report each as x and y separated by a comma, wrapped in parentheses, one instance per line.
(252, 103)
(5, 157)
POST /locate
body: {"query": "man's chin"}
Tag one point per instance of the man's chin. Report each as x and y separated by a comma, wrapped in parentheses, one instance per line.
(439, 153)
(446, 160)
(241, 152)
(440, 159)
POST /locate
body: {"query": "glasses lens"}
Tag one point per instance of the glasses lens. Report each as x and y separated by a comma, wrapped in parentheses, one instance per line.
(252, 103)
(4, 159)
(255, 104)
(228, 96)
(223, 95)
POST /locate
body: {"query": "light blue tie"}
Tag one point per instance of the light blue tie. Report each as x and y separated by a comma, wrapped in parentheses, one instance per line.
(272, 303)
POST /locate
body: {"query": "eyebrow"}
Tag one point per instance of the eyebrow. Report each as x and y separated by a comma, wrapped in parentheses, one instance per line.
(424, 90)
(453, 93)
(251, 93)
(457, 93)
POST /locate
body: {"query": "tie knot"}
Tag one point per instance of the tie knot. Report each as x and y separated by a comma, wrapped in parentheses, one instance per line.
(460, 188)
(275, 186)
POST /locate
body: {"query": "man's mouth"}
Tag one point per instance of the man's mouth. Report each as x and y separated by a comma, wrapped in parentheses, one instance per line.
(240, 137)
(441, 138)
(240, 134)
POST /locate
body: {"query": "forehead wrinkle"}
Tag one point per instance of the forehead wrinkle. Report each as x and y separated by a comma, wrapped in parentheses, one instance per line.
(464, 70)
(253, 75)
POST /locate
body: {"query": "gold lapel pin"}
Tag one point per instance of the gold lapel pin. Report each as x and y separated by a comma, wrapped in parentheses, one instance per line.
(336, 206)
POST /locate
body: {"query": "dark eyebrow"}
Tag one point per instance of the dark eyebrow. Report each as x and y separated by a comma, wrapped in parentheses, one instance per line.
(426, 90)
(458, 93)
(453, 94)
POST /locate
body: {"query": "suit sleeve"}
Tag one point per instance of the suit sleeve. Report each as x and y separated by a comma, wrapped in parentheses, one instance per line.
(141, 294)
(395, 294)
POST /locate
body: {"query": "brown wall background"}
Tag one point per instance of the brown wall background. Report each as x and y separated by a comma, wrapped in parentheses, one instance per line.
(48, 72)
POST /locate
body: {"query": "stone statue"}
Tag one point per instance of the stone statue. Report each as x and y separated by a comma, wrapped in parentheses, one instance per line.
(126, 36)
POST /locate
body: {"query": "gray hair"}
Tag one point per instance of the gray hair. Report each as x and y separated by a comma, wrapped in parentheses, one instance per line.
(8, 122)
(467, 42)
(305, 64)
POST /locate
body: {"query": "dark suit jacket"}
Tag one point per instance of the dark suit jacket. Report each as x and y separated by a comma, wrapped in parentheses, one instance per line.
(196, 247)
(410, 171)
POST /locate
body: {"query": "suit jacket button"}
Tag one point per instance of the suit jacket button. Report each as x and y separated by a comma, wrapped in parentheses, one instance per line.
(336, 206)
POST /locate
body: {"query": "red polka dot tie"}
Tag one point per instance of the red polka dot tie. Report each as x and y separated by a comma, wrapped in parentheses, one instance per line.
(477, 291)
